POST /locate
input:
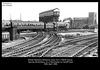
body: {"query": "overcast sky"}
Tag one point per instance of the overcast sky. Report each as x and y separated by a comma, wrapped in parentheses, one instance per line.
(30, 10)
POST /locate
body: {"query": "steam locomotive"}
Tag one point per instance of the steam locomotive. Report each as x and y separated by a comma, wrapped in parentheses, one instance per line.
(39, 25)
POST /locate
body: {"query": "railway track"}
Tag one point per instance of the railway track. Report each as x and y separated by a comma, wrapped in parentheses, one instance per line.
(19, 45)
(73, 50)
(24, 50)
(48, 50)
(68, 44)
(93, 51)
(38, 45)
(36, 48)
(38, 51)
(79, 39)
(86, 49)
(42, 46)
(26, 45)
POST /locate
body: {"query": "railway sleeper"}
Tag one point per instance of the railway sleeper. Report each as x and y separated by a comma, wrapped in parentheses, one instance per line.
(86, 49)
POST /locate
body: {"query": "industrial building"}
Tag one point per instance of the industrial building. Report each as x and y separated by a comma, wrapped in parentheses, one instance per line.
(79, 22)
(82, 22)
(92, 21)
(49, 16)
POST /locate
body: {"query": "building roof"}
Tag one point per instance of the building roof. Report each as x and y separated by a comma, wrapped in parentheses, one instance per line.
(50, 10)
(19, 21)
(25, 21)
(80, 18)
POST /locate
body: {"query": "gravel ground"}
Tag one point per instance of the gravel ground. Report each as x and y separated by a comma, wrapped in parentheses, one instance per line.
(75, 33)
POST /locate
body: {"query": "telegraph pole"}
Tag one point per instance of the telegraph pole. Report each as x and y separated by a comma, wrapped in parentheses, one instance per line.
(10, 21)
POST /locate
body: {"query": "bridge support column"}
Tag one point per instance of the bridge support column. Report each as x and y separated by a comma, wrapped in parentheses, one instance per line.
(18, 33)
(13, 33)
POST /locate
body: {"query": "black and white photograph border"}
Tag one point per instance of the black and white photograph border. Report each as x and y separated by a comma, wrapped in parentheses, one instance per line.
(49, 32)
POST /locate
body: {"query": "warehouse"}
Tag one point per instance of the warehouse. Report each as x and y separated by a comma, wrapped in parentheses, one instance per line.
(79, 22)
(89, 22)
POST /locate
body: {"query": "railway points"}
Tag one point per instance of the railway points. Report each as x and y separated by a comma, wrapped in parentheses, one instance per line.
(86, 49)
(50, 37)
(27, 37)
(70, 52)
(48, 44)
(67, 47)
(25, 45)
(12, 46)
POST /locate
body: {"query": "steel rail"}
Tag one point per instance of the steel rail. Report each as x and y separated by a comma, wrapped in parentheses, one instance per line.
(47, 48)
(85, 49)
(61, 45)
(73, 47)
(18, 45)
(26, 46)
(29, 49)
(69, 42)
(38, 46)
(44, 53)
(87, 52)
(42, 47)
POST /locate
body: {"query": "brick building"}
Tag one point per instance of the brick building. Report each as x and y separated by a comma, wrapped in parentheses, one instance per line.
(92, 21)
(49, 16)
(81, 22)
